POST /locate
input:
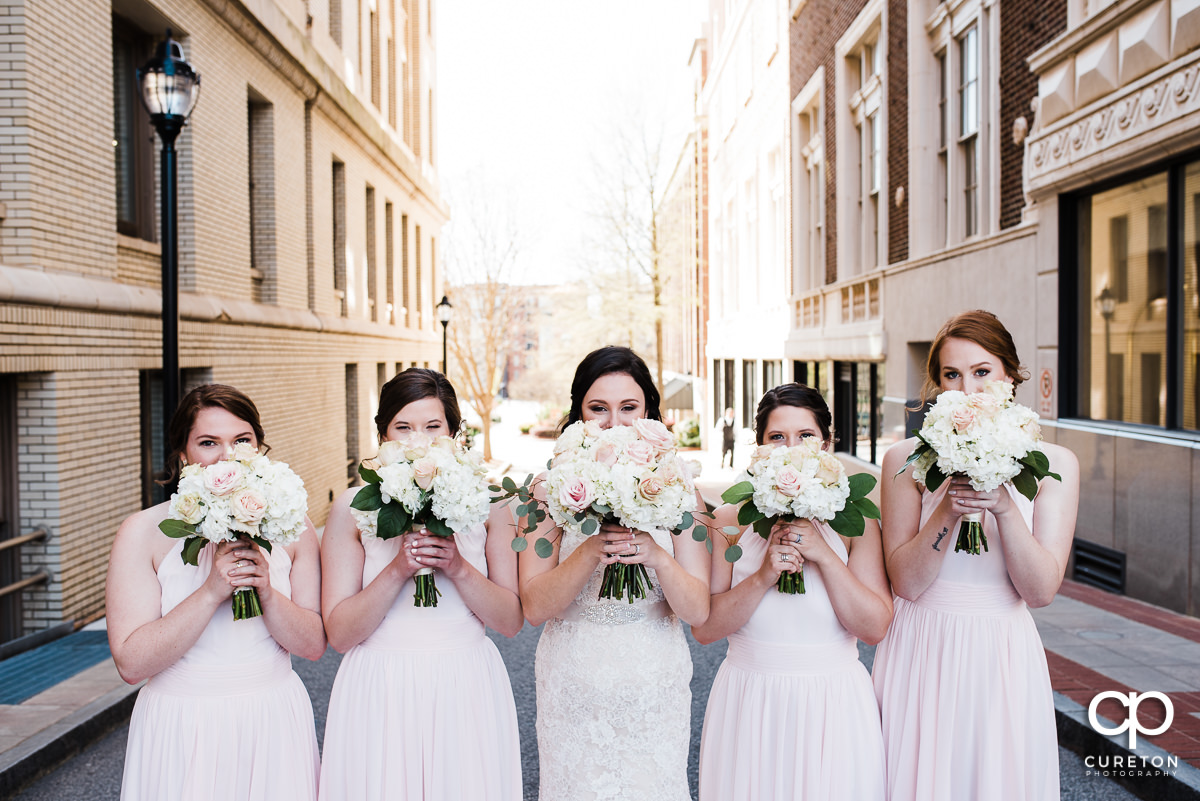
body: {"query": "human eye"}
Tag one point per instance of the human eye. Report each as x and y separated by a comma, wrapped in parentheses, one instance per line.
(240, 440)
(950, 374)
(806, 434)
(597, 408)
(207, 443)
(774, 436)
(983, 371)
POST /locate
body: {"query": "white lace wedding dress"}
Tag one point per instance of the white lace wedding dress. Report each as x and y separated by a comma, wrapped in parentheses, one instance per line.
(613, 696)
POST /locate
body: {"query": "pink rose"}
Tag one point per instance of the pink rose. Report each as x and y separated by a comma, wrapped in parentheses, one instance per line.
(760, 453)
(788, 481)
(651, 487)
(671, 472)
(829, 470)
(963, 418)
(1032, 428)
(640, 452)
(223, 478)
(390, 452)
(654, 434)
(244, 452)
(592, 429)
(424, 469)
(607, 454)
(984, 402)
(576, 494)
(248, 506)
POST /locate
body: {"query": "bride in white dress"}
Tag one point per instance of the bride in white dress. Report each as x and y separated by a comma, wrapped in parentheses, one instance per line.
(613, 677)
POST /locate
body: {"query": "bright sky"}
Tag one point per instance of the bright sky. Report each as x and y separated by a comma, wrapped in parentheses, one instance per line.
(527, 90)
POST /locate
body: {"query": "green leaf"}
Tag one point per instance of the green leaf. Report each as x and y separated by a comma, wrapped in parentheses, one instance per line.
(177, 528)
(733, 553)
(368, 499)
(262, 543)
(508, 484)
(393, 521)
(519, 544)
(528, 480)
(368, 475)
(686, 521)
(1038, 460)
(700, 533)
(541, 514)
(861, 484)
(601, 508)
(543, 547)
(867, 508)
(934, 478)
(708, 546)
(916, 454)
(848, 522)
(1026, 483)
(438, 528)
(191, 549)
(738, 492)
(494, 488)
(763, 526)
(589, 526)
(522, 510)
(748, 514)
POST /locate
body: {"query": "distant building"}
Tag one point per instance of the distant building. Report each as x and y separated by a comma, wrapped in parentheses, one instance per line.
(309, 215)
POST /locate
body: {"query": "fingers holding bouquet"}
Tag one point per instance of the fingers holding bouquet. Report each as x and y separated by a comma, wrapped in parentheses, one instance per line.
(439, 553)
(623, 545)
(965, 500)
(782, 554)
(250, 568)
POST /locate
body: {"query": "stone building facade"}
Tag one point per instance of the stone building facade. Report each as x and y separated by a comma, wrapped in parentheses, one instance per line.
(309, 214)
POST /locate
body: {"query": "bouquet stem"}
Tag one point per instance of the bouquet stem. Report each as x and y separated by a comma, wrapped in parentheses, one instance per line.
(625, 581)
(791, 583)
(246, 604)
(971, 536)
(427, 592)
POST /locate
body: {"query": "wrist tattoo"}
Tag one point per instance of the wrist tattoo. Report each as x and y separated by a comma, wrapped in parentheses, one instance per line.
(942, 534)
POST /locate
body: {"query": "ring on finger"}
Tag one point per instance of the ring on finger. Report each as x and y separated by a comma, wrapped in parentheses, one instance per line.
(783, 557)
(636, 549)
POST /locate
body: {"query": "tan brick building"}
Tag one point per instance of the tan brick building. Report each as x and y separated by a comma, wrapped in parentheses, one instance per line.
(309, 215)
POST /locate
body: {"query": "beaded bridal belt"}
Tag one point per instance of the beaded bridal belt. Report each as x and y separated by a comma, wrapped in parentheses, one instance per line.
(615, 614)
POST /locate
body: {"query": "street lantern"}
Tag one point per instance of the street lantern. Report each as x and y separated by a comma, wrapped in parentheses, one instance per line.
(169, 88)
(444, 312)
(1106, 303)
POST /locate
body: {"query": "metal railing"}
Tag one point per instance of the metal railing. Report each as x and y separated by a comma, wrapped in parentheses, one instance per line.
(36, 578)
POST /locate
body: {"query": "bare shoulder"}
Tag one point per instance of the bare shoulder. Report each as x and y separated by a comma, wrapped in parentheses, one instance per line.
(897, 455)
(1060, 456)
(140, 534)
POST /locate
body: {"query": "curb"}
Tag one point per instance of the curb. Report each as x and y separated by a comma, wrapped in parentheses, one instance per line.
(1177, 783)
(44, 751)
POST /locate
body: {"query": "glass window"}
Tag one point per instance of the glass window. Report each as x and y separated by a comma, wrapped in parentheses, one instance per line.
(968, 90)
(133, 148)
(1123, 302)
(1190, 298)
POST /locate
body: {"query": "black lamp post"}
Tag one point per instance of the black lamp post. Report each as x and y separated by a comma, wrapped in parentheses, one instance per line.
(169, 87)
(1106, 305)
(444, 312)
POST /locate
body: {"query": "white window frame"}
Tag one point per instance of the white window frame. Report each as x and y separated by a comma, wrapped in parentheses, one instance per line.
(861, 59)
(808, 180)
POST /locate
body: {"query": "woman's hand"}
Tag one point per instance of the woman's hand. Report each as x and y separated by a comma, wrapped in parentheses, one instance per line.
(248, 567)
(626, 546)
(219, 583)
(809, 542)
(961, 499)
(440, 553)
(782, 554)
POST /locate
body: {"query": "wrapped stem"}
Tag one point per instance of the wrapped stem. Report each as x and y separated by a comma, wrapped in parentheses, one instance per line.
(246, 604)
(625, 581)
(791, 582)
(970, 535)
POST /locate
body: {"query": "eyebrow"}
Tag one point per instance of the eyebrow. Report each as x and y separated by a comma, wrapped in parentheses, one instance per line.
(946, 367)
(246, 433)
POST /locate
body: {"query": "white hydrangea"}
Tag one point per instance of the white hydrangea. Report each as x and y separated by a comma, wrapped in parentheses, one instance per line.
(454, 491)
(802, 481)
(633, 471)
(981, 436)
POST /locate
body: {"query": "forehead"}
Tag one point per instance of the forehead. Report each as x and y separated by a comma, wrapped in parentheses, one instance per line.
(212, 419)
(959, 352)
(430, 408)
(792, 417)
(615, 386)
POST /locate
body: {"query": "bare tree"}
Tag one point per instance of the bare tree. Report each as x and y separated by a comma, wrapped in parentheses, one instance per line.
(481, 258)
(632, 234)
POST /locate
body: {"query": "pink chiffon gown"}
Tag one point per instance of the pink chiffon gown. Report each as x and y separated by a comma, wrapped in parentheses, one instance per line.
(791, 714)
(422, 708)
(963, 685)
(230, 719)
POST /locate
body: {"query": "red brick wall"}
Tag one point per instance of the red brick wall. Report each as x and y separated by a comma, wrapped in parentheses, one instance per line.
(897, 130)
(1025, 26)
(813, 36)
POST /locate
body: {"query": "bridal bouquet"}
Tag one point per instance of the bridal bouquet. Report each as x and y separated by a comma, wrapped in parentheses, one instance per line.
(244, 495)
(628, 475)
(420, 482)
(801, 482)
(986, 437)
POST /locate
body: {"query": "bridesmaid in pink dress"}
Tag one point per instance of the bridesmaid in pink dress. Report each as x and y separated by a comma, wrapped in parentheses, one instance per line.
(791, 714)
(223, 714)
(961, 676)
(421, 707)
